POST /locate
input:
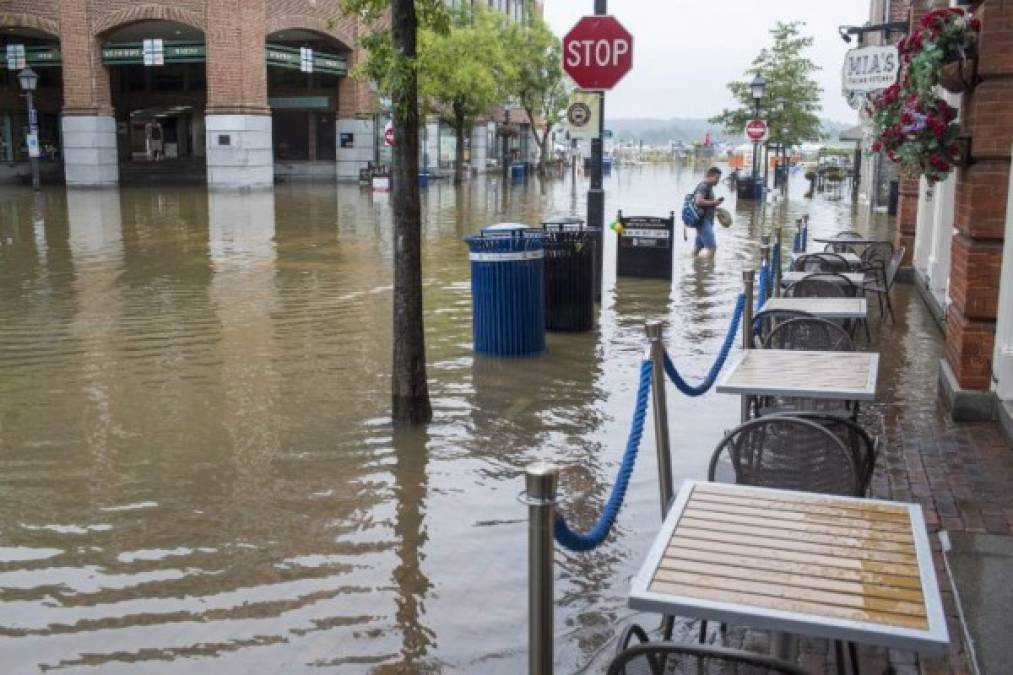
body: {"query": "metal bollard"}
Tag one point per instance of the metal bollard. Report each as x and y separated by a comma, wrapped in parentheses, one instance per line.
(541, 481)
(748, 277)
(776, 284)
(665, 488)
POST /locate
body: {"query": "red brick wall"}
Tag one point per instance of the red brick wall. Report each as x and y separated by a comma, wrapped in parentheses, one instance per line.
(85, 80)
(981, 202)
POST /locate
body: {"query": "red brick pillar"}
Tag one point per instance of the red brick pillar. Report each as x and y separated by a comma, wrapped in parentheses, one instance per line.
(981, 204)
(907, 217)
(238, 119)
(89, 129)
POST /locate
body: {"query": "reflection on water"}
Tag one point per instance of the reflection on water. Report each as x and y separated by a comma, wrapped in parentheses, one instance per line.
(197, 470)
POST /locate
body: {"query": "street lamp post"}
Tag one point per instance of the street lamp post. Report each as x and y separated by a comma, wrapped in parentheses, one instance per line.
(29, 80)
(757, 87)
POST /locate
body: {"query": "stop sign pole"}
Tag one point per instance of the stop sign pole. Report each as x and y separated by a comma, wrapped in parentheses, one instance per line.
(596, 192)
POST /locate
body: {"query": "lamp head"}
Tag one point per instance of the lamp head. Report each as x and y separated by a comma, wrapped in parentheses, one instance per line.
(758, 86)
(29, 79)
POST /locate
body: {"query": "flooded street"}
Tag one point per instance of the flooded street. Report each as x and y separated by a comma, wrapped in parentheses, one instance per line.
(197, 471)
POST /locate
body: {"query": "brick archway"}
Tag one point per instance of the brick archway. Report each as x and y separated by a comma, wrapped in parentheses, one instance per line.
(310, 23)
(149, 13)
(25, 20)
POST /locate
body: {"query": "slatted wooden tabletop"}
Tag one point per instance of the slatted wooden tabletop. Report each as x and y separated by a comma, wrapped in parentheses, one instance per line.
(847, 376)
(856, 278)
(864, 241)
(834, 567)
(826, 308)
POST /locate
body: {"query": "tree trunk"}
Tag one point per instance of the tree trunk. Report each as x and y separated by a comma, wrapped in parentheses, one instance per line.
(459, 122)
(409, 389)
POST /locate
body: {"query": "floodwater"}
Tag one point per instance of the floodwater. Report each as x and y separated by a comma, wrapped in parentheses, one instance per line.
(197, 472)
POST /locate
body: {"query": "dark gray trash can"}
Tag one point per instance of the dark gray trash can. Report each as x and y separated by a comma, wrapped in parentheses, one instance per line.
(570, 273)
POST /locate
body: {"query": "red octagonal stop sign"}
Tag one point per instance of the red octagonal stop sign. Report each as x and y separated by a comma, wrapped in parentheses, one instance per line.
(597, 52)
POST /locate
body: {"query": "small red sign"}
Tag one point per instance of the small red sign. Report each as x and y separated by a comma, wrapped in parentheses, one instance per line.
(388, 134)
(597, 52)
(756, 130)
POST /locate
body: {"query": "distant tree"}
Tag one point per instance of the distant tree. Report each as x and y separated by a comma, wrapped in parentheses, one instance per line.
(539, 84)
(465, 72)
(788, 73)
(391, 63)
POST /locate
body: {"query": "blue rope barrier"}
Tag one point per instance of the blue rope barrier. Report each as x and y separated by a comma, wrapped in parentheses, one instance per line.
(577, 541)
(703, 387)
(764, 287)
(775, 260)
(796, 243)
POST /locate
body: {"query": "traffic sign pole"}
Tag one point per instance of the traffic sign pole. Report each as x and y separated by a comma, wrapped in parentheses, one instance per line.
(596, 192)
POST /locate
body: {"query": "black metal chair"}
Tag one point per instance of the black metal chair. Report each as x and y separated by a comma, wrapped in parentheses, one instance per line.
(822, 285)
(882, 284)
(839, 247)
(765, 320)
(809, 334)
(670, 658)
(789, 453)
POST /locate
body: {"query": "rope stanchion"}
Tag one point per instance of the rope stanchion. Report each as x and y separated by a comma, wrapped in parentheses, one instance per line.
(763, 287)
(577, 541)
(712, 375)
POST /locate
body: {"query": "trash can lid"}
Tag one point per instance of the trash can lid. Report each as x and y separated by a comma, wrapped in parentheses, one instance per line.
(506, 227)
(563, 220)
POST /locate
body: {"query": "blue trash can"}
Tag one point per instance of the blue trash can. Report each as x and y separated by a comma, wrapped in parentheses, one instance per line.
(423, 179)
(508, 290)
(518, 170)
(759, 188)
(606, 167)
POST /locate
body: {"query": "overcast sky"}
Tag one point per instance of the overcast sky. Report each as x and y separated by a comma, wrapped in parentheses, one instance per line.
(685, 52)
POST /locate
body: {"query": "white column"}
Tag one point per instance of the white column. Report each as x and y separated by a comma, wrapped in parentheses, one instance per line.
(925, 225)
(1002, 358)
(938, 271)
(358, 150)
(239, 153)
(89, 150)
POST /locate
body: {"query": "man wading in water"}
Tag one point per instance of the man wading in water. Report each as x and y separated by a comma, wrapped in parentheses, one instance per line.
(706, 244)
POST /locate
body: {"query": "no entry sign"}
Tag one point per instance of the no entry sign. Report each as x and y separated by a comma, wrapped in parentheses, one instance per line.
(597, 52)
(756, 130)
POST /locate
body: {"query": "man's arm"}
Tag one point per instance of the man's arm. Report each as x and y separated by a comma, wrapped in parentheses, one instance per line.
(703, 201)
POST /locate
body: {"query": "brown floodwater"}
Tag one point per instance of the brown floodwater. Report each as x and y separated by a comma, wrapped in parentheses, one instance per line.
(197, 471)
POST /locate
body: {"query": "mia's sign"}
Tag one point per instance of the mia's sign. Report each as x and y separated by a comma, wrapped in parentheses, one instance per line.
(868, 69)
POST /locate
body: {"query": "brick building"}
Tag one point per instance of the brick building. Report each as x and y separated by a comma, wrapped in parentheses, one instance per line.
(959, 232)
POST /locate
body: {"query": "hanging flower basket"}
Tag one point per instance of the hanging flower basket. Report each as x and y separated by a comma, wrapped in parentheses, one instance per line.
(916, 128)
(959, 75)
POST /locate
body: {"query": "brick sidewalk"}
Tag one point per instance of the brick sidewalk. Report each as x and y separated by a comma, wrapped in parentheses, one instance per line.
(961, 474)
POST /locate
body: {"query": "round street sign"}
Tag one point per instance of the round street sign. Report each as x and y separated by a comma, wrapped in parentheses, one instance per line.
(756, 130)
(578, 114)
(597, 52)
(388, 134)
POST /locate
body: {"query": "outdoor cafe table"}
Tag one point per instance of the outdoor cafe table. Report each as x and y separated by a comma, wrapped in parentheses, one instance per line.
(856, 278)
(849, 376)
(825, 308)
(858, 241)
(841, 568)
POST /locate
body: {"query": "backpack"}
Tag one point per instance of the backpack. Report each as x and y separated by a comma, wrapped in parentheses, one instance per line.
(691, 215)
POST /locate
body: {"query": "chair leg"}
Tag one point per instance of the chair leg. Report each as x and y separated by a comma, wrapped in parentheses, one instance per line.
(853, 656)
(868, 337)
(703, 632)
(889, 306)
(839, 657)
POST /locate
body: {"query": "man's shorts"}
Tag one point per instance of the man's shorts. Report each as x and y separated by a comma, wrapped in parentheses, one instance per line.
(705, 236)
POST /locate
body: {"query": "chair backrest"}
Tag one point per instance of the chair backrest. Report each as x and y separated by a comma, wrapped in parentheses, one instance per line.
(848, 234)
(838, 247)
(765, 320)
(809, 334)
(822, 285)
(893, 266)
(853, 435)
(788, 453)
(821, 262)
(685, 659)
